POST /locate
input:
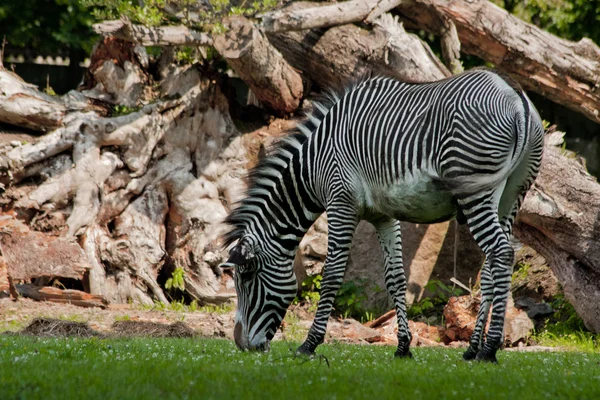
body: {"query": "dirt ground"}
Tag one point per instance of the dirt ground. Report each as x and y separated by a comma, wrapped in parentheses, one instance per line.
(16, 315)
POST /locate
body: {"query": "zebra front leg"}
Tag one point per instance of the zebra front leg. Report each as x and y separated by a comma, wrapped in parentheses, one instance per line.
(341, 227)
(487, 292)
(484, 224)
(390, 238)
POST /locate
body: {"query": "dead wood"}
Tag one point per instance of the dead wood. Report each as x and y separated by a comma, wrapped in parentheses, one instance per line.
(559, 219)
(347, 52)
(153, 36)
(246, 49)
(324, 16)
(64, 296)
(565, 72)
(22, 104)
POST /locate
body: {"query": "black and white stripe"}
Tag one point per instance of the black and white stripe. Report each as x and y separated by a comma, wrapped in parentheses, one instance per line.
(383, 151)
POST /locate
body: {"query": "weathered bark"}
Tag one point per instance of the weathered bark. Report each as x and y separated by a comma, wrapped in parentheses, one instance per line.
(21, 104)
(347, 52)
(559, 219)
(565, 72)
(153, 36)
(123, 186)
(246, 49)
(326, 15)
(66, 296)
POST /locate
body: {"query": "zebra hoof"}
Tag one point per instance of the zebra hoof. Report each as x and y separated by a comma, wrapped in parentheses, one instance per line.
(400, 354)
(487, 356)
(403, 351)
(304, 350)
(470, 354)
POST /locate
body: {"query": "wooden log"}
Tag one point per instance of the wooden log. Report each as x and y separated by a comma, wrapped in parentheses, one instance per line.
(347, 52)
(21, 104)
(559, 219)
(153, 36)
(63, 296)
(326, 15)
(246, 49)
(565, 72)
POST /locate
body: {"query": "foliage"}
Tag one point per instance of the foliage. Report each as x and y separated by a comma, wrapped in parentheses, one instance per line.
(520, 272)
(181, 306)
(63, 25)
(570, 19)
(310, 293)
(176, 281)
(429, 307)
(349, 301)
(292, 330)
(566, 329)
(154, 12)
(119, 110)
(214, 369)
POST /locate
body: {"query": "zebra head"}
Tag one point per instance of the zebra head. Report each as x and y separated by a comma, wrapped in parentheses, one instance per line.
(265, 286)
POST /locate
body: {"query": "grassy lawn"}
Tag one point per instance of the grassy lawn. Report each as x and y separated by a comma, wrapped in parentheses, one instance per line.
(32, 368)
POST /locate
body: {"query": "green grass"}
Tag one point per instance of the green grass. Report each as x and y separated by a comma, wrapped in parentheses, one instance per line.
(32, 368)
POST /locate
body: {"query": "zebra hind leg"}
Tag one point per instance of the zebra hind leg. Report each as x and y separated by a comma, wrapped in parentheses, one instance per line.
(390, 238)
(341, 224)
(483, 222)
(487, 292)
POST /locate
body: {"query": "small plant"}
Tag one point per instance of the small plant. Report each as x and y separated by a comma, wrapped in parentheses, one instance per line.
(176, 281)
(224, 308)
(350, 299)
(521, 272)
(48, 89)
(311, 292)
(120, 110)
(291, 328)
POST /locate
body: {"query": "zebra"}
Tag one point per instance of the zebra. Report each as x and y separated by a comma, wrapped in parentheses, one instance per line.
(466, 147)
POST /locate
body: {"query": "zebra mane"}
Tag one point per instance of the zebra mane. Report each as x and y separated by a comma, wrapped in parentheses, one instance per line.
(279, 155)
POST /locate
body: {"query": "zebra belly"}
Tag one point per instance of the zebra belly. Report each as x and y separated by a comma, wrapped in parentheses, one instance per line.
(423, 201)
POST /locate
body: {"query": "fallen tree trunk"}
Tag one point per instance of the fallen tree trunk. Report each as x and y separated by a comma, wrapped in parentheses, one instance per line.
(559, 219)
(153, 36)
(326, 15)
(66, 296)
(246, 49)
(347, 52)
(565, 72)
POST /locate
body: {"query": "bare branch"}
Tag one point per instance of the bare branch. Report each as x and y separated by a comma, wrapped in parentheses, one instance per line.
(326, 15)
(156, 36)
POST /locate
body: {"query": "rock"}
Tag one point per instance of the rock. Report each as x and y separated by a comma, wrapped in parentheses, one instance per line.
(425, 335)
(534, 309)
(461, 312)
(350, 329)
(517, 325)
(4, 286)
(29, 254)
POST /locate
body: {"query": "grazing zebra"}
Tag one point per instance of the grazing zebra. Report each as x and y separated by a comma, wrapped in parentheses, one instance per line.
(385, 151)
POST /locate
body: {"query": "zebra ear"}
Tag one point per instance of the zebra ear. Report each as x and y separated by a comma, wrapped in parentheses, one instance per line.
(240, 254)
